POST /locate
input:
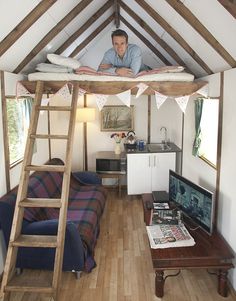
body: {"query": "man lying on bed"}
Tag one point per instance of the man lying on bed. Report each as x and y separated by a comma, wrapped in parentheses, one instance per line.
(122, 59)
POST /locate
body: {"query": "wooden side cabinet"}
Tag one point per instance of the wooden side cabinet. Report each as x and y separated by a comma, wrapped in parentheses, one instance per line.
(149, 171)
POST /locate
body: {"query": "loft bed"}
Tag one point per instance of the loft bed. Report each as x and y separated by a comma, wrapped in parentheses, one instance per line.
(171, 84)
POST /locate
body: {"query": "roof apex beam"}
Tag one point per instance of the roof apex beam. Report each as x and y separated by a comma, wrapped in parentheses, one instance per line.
(188, 16)
(174, 34)
(25, 24)
(52, 33)
(146, 42)
(117, 13)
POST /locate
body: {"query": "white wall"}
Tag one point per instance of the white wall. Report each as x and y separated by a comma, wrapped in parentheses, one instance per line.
(168, 115)
(200, 172)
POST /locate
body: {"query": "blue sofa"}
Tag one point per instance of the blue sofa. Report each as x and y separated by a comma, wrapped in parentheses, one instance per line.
(85, 208)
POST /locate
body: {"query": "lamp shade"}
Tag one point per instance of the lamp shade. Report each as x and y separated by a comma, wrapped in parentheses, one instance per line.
(85, 114)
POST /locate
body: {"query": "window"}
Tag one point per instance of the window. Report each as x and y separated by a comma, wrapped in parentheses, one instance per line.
(208, 132)
(209, 129)
(18, 119)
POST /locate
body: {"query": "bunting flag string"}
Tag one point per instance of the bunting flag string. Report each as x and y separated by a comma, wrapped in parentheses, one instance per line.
(81, 92)
(21, 90)
(125, 97)
(160, 99)
(101, 99)
(204, 91)
(182, 102)
(141, 88)
(64, 93)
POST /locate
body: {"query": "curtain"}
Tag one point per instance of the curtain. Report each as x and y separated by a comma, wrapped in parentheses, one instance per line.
(28, 105)
(198, 116)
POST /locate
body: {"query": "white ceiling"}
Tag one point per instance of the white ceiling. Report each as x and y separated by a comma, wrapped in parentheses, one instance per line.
(210, 13)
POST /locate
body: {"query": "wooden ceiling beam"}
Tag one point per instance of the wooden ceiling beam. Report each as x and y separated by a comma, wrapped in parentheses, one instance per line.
(189, 17)
(230, 6)
(146, 42)
(174, 34)
(84, 27)
(52, 33)
(117, 13)
(25, 24)
(152, 33)
(92, 36)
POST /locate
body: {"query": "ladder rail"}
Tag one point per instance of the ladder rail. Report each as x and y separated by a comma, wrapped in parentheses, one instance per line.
(22, 201)
(22, 191)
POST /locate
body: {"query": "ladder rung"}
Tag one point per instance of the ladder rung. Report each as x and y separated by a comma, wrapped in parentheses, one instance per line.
(35, 289)
(42, 136)
(40, 202)
(58, 168)
(37, 241)
(54, 108)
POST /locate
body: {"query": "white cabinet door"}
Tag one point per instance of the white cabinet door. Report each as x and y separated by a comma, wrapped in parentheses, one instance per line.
(138, 173)
(162, 162)
(148, 172)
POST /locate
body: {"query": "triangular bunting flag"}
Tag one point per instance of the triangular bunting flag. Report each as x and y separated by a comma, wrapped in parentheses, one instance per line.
(204, 91)
(182, 102)
(44, 101)
(81, 92)
(64, 93)
(125, 97)
(160, 99)
(21, 90)
(101, 99)
(141, 88)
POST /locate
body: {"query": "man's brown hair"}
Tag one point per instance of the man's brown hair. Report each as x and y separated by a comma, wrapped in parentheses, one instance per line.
(119, 33)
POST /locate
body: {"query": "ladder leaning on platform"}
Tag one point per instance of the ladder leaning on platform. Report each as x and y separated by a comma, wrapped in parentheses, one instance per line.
(38, 241)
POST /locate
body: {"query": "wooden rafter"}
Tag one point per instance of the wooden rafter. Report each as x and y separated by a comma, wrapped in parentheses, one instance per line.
(188, 16)
(146, 42)
(152, 33)
(230, 6)
(92, 36)
(84, 27)
(52, 33)
(117, 13)
(174, 34)
(25, 24)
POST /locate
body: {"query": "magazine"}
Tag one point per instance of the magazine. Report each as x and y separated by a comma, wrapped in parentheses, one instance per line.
(165, 217)
(169, 236)
(161, 206)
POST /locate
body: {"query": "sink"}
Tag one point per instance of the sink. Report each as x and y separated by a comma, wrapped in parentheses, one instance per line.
(157, 147)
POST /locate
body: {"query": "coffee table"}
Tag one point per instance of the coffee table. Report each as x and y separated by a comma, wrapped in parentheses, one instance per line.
(209, 252)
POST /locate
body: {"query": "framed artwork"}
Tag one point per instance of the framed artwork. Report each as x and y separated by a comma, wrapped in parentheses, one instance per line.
(117, 118)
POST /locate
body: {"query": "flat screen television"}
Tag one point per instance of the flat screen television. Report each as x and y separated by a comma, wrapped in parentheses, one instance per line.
(193, 200)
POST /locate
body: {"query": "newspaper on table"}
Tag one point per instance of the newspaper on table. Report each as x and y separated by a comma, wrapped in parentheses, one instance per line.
(169, 236)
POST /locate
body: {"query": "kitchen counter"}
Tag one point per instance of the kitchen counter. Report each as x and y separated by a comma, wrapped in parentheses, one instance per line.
(155, 148)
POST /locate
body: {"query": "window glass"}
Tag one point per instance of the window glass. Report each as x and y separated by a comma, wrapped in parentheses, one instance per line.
(17, 124)
(209, 130)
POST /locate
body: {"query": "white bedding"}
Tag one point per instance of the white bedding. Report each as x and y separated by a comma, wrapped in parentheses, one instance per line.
(176, 77)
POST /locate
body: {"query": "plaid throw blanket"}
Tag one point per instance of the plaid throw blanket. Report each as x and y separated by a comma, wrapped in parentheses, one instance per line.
(85, 207)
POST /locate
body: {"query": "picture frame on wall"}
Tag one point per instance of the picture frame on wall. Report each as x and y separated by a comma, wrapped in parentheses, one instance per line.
(117, 118)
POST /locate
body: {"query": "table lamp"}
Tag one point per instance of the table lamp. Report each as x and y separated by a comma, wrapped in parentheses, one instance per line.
(85, 115)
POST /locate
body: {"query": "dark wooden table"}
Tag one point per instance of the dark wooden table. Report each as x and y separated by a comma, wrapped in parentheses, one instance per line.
(209, 252)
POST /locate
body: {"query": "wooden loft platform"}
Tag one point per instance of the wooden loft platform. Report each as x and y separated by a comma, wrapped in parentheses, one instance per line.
(110, 87)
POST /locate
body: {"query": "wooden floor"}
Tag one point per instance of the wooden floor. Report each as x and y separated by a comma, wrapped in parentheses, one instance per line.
(124, 269)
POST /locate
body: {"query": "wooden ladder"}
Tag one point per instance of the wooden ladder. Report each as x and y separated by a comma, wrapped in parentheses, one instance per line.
(38, 241)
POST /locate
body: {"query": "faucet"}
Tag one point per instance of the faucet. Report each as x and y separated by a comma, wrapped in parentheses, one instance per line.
(165, 134)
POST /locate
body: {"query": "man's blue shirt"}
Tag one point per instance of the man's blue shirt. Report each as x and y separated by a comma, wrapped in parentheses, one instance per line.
(132, 59)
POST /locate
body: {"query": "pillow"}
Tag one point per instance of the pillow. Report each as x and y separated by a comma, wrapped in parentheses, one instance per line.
(43, 67)
(63, 61)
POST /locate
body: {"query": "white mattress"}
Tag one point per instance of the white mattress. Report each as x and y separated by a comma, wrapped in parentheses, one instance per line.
(179, 77)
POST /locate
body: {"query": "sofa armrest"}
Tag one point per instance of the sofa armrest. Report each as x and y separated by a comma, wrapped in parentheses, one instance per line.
(43, 258)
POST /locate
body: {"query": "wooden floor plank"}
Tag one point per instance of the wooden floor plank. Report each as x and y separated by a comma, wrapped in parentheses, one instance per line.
(124, 269)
